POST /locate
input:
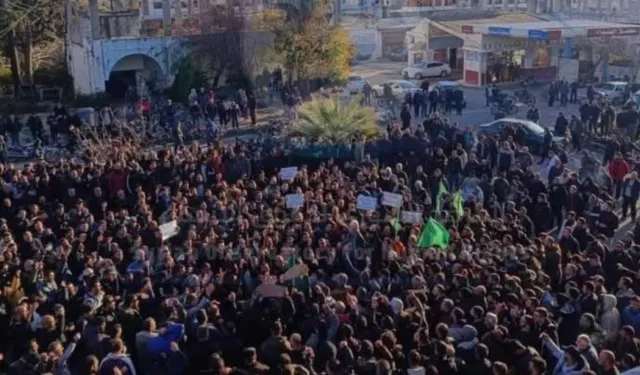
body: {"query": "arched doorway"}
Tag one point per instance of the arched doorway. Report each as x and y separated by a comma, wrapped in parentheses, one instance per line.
(133, 76)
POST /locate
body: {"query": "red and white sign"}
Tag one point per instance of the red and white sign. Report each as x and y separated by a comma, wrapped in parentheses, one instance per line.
(467, 29)
(613, 31)
(554, 34)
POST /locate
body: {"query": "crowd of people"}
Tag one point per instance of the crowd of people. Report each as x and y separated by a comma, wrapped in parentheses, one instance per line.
(534, 278)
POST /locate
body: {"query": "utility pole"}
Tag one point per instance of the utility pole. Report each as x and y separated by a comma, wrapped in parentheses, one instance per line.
(337, 13)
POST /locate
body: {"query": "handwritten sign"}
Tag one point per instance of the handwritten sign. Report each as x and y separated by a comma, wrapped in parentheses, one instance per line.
(271, 291)
(293, 272)
(409, 217)
(391, 199)
(169, 229)
(366, 203)
(288, 174)
(295, 200)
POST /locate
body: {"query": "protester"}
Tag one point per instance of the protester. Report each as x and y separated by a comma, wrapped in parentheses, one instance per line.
(429, 250)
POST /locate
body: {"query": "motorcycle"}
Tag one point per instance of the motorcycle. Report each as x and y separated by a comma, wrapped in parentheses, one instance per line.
(524, 96)
(506, 106)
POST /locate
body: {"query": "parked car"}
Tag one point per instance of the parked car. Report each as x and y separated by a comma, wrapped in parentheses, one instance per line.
(399, 87)
(444, 86)
(399, 54)
(533, 133)
(426, 69)
(612, 91)
(355, 84)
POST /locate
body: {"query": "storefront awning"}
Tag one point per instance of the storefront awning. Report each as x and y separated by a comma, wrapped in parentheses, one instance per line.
(442, 42)
(555, 30)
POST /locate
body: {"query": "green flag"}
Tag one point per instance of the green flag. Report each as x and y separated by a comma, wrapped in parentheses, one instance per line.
(457, 204)
(433, 234)
(395, 222)
(442, 190)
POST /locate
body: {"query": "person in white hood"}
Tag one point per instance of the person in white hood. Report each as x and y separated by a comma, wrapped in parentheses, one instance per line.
(610, 318)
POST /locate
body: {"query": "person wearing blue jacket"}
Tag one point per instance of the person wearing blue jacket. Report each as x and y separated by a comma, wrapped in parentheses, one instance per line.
(631, 315)
(569, 360)
(161, 344)
(117, 359)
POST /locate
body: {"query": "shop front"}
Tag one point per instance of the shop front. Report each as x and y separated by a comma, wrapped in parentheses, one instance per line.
(504, 59)
(514, 52)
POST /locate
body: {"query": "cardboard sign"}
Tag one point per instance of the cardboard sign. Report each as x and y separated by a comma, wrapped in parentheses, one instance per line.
(391, 199)
(293, 272)
(169, 229)
(409, 217)
(294, 200)
(367, 203)
(271, 291)
(288, 174)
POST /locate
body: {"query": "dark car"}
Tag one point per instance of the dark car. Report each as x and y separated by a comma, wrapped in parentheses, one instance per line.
(399, 54)
(533, 133)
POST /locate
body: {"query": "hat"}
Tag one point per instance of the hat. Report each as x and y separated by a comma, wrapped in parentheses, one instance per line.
(396, 305)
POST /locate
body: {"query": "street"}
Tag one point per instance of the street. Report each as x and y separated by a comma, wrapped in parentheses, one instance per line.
(476, 112)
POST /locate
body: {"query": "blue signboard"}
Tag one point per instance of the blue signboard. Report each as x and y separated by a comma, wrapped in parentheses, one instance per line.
(493, 30)
(538, 34)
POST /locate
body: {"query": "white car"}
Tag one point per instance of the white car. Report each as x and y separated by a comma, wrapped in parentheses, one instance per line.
(399, 87)
(355, 85)
(427, 69)
(612, 91)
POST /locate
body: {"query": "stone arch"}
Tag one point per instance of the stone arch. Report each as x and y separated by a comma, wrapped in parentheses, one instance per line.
(136, 61)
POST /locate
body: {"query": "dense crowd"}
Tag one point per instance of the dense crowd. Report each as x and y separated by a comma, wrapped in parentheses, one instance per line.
(531, 282)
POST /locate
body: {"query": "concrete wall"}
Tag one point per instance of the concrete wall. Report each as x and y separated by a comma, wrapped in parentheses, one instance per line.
(120, 24)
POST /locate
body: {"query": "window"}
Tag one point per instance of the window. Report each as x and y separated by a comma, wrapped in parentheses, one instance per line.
(434, 65)
(157, 5)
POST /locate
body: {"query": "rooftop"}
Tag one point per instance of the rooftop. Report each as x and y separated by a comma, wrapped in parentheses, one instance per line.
(536, 23)
(503, 20)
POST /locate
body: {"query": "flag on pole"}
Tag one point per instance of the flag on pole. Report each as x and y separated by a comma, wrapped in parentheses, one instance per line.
(433, 234)
(442, 190)
(457, 204)
(395, 222)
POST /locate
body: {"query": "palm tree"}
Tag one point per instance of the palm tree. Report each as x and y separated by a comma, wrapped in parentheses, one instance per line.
(331, 120)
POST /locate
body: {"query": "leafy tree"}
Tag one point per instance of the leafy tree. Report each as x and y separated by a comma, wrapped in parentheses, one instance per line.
(601, 48)
(310, 47)
(24, 26)
(334, 121)
(225, 45)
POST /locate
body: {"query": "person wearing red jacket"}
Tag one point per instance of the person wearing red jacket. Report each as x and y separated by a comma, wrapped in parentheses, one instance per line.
(618, 169)
(116, 180)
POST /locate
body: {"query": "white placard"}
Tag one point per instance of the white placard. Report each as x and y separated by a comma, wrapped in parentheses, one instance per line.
(295, 200)
(409, 217)
(391, 199)
(288, 174)
(367, 203)
(169, 229)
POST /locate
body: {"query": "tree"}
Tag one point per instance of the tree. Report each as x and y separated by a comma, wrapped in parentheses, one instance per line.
(28, 24)
(310, 47)
(229, 44)
(601, 48)
(334, 121)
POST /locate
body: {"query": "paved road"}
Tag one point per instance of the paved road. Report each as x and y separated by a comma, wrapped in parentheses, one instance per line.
(476, 113)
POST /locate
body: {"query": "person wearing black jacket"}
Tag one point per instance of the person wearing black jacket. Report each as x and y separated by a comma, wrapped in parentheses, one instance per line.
(630, 194)
(434, 98)
(608, 221)
(594, 116)
(561, 125)
(557, 199)
(458, 98)
(405, 117)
